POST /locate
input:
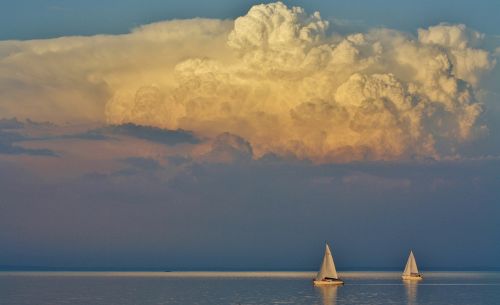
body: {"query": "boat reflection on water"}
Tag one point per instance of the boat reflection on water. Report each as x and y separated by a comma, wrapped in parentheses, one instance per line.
(328, 294)
(411, 292)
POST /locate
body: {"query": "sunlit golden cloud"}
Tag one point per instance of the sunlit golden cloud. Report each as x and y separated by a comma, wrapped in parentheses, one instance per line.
(277, 77)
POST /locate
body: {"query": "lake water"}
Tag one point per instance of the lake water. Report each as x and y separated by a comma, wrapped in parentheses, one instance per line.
(218, 288)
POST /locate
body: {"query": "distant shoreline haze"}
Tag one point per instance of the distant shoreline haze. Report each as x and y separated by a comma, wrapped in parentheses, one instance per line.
(166, 269)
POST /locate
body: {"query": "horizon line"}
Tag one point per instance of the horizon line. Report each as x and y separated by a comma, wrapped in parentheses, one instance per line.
(226, 269)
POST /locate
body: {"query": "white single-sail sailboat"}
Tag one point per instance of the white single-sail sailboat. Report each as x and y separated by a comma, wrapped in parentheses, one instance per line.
(411, 270)
(327, 275)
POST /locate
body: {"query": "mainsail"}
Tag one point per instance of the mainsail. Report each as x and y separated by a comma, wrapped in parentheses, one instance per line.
(411, 265)
(327, 267)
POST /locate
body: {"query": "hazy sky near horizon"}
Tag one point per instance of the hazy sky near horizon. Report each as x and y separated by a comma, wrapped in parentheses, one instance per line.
(132, 135)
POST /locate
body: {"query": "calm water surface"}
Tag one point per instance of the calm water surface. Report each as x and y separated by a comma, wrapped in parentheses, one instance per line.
(207, 288)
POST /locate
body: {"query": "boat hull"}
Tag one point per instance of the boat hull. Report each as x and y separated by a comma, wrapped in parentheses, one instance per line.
(335, 282)
(412, 277)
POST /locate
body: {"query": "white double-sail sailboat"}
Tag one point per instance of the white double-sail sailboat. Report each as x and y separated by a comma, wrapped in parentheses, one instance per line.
(327, 275)
(411, 270)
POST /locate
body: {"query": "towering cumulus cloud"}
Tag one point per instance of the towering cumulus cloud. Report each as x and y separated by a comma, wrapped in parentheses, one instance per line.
(276, 77)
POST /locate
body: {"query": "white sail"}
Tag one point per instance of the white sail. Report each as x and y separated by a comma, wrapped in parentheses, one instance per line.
(327, 267)
(411, 265)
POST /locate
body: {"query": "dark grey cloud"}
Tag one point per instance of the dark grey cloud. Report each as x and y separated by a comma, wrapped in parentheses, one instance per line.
(11, 123)
(9, 144)
(110, 132)
(153, 134)
(14, 123)
(94, 135)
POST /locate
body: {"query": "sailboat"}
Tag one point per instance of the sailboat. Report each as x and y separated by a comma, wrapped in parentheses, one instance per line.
(327, 275)
(411, 270)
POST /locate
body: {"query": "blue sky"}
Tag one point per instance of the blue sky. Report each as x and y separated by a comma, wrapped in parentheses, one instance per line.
(244, 145)
(28, 19)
